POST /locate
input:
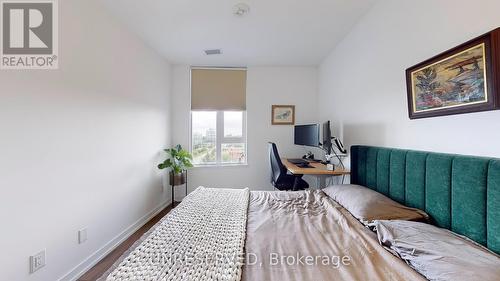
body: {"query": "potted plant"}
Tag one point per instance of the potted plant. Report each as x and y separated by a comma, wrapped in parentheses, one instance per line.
(179, 160)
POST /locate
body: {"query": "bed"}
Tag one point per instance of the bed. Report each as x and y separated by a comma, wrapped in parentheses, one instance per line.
(309, 236)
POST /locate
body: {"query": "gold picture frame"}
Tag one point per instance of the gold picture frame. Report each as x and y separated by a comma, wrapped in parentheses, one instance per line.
(283, 115)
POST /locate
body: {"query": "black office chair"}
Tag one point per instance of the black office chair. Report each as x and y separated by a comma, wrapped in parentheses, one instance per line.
(279, 177)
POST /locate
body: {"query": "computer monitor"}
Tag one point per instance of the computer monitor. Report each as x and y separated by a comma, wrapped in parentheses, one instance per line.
(327, 137)
(307, 135)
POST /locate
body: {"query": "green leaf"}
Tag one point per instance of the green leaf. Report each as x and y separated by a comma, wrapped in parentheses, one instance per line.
(178, 159)
(168, 163)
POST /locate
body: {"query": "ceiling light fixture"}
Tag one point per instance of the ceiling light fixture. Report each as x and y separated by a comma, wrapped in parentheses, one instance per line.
(241, 9)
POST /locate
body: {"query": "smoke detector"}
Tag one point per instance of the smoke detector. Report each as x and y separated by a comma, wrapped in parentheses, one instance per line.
(241, 9)
(213, 52)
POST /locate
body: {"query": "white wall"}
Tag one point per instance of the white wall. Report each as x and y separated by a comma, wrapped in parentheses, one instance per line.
(265, 86)
(362, 82)
(79, 145)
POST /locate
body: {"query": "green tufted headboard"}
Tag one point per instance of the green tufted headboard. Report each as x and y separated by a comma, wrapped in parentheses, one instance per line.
(461, 193)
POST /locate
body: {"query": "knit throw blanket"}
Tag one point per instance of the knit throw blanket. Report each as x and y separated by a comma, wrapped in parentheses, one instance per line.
(201, 239)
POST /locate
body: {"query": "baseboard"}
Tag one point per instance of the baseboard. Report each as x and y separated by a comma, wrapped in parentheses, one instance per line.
(98, 255)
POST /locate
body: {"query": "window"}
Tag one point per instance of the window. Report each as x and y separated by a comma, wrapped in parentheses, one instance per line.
(218, 116)
(218, 137)
(204, 125)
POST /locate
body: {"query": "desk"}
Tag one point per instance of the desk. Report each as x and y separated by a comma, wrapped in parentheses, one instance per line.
(319, 171)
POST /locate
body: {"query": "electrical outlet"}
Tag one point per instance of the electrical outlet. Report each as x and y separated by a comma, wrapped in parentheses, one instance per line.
(82, 235)
(37, 261)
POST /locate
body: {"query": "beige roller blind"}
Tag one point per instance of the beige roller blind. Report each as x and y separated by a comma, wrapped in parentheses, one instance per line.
(218, 89)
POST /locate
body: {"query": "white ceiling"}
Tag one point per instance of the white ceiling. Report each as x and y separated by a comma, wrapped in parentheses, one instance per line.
(274, 32)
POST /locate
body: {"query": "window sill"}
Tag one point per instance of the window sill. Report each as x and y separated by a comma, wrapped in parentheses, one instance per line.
(220, 165)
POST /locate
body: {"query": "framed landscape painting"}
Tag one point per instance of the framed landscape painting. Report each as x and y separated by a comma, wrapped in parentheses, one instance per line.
(461, 80)
(283, 115)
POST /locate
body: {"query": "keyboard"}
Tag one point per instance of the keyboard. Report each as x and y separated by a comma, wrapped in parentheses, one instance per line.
(298, 161)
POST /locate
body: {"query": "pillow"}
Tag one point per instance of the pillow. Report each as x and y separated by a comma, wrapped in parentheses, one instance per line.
(437, 253)
(368, 205)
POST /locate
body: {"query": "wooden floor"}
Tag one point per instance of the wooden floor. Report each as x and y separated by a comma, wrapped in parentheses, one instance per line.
(103, 265)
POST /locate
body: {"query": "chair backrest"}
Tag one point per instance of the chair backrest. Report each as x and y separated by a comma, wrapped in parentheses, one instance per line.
(277, 167)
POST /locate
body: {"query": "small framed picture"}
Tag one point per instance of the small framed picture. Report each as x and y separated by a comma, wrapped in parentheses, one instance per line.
(283, 115)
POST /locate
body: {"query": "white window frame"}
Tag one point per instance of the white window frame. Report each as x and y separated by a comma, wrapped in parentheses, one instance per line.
(220, 139)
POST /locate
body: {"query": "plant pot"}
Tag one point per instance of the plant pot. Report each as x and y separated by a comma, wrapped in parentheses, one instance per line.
(178, 179)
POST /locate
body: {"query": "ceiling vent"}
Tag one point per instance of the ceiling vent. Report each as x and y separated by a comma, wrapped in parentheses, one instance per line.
(213, 52)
